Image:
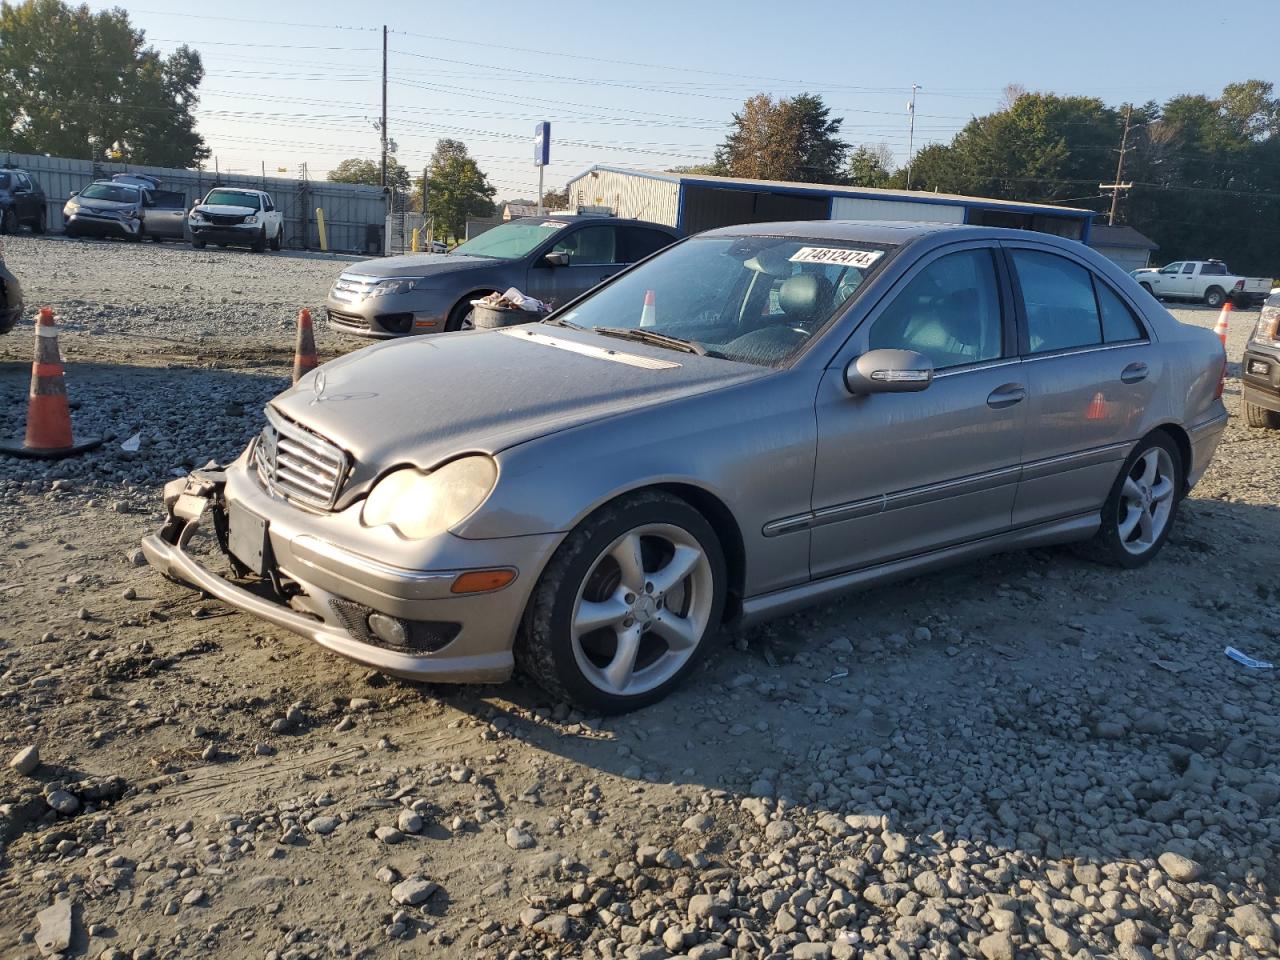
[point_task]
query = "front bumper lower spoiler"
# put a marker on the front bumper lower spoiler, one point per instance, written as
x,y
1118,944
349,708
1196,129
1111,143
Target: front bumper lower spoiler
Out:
x,y
188,500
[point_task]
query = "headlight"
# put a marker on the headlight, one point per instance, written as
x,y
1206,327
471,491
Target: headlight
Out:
x,y
385,288
420,504
196,215
252,218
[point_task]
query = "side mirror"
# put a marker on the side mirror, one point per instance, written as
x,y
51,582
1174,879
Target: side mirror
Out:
x,y
888,371
75,193
556,259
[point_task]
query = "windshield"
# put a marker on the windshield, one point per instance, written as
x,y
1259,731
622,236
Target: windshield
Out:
x,y
113,192
232,198
754,299
511,241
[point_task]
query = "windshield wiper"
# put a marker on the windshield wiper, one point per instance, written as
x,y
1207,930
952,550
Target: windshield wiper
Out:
x,y
657,339
562,322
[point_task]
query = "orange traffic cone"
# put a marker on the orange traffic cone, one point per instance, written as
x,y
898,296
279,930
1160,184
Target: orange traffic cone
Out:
x,y
304,354
48,417
1221,327
649,315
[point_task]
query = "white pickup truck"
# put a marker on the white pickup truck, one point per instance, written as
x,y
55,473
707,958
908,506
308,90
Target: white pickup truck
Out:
x,y
1209,281
231,215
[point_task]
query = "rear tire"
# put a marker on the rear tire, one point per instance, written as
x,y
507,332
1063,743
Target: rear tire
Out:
x,y
627,605
1214,297
38,224
278,240
1256,416
1147,287
1142,506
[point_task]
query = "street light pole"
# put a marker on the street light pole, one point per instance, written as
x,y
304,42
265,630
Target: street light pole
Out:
x,y
384,107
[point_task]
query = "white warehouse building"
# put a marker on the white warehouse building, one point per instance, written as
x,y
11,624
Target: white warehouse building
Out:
x,y
696,202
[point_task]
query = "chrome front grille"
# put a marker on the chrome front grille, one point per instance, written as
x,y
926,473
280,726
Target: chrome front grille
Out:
x,y
352,287
300,465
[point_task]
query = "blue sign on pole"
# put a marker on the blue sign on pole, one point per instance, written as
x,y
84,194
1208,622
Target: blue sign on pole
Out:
x,y
542,144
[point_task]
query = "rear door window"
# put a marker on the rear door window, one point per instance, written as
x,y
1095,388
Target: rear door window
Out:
x,y
1057,294
1118,322
169,199
640,242
1188,268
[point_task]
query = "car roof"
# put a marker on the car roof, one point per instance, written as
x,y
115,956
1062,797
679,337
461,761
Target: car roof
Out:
x,y
587,218
897,232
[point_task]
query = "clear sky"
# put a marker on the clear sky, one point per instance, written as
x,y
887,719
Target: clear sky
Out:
x,y
653,84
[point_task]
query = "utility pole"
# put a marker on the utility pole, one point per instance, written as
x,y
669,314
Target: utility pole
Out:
x,y
1119,185
911,129
383,125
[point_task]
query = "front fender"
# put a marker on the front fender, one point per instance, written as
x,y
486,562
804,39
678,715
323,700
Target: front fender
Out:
x,y
752,446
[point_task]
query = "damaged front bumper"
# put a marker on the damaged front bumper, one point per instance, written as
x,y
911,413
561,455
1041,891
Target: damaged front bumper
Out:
x,y
407,623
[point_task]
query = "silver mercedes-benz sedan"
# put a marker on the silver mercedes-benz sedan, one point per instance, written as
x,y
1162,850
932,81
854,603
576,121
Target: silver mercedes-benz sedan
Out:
x,y
757,418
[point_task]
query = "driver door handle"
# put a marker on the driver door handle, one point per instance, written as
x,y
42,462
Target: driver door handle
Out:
x,y
1134,373
1006,395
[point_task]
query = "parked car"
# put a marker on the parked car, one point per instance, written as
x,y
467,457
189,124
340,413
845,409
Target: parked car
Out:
x,y
758,418
551,258
10,299
1209,281
237,217
120,208
22,201
1260,369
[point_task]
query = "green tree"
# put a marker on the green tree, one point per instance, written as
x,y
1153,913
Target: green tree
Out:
x,y
785,139
74,83
457,189
556,199
360,170
870,167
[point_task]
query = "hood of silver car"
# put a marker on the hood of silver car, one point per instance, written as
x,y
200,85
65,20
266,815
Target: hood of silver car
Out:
x,y
420,265
427,399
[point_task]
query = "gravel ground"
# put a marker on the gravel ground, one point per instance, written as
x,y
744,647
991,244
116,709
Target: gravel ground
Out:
x,y
1028,756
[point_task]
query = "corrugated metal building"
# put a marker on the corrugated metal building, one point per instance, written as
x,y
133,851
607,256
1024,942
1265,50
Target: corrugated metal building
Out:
x,y
354,215
1129,249
696,202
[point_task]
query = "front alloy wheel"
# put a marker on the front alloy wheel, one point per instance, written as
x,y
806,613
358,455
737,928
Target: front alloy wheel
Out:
x,y
626,605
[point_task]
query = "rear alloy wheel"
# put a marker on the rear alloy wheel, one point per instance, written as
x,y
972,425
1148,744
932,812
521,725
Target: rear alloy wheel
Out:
x,y
1256,416
626,606
1214,296
1140,510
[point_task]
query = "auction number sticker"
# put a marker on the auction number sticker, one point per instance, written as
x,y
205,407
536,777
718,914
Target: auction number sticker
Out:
x,y
841,256
552,224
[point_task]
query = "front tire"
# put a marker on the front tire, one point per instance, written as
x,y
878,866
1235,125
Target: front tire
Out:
x,y
197,244
627,606
1147,287
260,242
9,221
461,314
1214,297
1256,416
1142,505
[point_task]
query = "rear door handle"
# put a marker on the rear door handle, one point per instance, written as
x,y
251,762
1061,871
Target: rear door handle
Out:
x,y
1006,395
1134,373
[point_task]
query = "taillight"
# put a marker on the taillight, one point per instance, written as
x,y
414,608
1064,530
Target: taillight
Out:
x,y
1222,380
1268,324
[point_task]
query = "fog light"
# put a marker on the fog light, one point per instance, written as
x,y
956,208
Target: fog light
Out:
x,y
388,629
